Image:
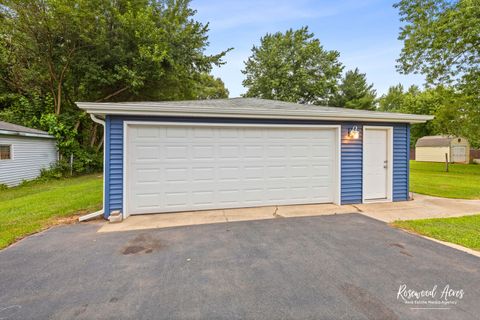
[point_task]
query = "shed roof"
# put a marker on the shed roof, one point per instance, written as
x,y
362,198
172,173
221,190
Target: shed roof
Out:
x,y
246,108
435,141
15,129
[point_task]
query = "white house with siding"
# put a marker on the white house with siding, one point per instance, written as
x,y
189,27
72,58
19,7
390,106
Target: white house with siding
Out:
x,y
24,152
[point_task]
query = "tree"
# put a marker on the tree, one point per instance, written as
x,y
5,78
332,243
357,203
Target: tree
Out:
x,y
449,106
354,92
292,66
393,100
56,52
441,40
210,88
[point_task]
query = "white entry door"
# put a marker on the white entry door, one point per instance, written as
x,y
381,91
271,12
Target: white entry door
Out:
x,y
196,167
377,164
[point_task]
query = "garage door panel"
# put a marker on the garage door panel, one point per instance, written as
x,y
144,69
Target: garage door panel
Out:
x,y
147,175
177,174
202,132
148,200
255,172
192,168
253,152
203,152
203,174
253,133
146,152
176,132
147,132
201,198
229,196
276,193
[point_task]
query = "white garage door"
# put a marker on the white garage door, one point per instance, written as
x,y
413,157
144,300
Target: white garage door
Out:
x,y
195,167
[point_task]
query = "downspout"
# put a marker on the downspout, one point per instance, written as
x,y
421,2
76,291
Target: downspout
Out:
x,y
100,212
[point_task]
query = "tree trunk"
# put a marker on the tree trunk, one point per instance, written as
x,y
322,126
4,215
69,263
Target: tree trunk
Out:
x,y
93,138
100,144
59,99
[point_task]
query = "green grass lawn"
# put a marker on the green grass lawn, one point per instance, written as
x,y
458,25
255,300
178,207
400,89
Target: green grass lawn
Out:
x,y
461,182
32,207
464,231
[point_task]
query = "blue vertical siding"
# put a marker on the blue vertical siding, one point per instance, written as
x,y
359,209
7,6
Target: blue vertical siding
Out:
x,y
401,146
408,161
351,166
351,157
114,169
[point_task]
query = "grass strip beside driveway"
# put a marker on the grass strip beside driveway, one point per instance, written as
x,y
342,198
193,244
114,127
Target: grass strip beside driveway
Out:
x,y
29,208
464,231
461,182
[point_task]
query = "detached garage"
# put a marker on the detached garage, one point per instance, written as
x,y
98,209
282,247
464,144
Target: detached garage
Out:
x,y
232,153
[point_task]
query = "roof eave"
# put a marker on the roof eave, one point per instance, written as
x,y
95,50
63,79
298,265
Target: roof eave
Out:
x,y
26,134
139,110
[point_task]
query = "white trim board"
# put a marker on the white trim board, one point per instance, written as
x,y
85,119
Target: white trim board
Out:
x,y
389,163
127,123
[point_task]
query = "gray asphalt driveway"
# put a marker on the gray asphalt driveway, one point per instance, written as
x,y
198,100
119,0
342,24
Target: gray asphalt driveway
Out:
x,y
327,267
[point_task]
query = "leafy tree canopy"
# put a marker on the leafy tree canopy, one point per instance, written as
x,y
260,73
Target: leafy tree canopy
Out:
x,y
55,52
292,66
210,87
454,112
441,40
354,92
393,100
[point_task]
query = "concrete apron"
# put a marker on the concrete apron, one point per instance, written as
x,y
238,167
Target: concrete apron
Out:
x,y
165,220
421,207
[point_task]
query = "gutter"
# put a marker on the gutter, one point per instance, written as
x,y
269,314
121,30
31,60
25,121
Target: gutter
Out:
x,y
99,212
26,134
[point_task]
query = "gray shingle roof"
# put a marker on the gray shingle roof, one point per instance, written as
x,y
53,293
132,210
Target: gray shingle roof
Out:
x,y
434,141
245,107
15,128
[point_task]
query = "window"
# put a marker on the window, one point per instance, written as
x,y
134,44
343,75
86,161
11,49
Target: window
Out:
x,y
5,152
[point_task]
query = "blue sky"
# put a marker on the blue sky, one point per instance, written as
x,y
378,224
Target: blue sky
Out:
x,y
363,31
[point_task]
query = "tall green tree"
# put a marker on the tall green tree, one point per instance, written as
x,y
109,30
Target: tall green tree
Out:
x,y
392,101
354,92
292,66
56,52
210,87
442,41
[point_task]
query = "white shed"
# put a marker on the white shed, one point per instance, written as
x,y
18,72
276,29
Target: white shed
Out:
x,y
434,148
24,152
